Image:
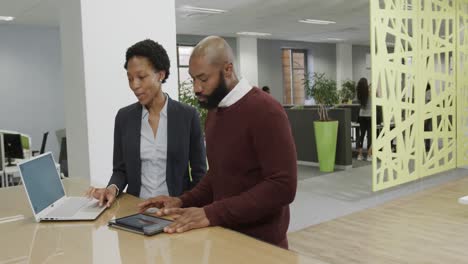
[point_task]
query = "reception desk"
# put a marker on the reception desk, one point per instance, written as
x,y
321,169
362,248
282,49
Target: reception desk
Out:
x,y
302,128
22,240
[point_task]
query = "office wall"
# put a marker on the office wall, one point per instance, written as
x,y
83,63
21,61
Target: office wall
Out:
x,y
192,40
74,92
321,58
248,59
344,63
31,90
359,63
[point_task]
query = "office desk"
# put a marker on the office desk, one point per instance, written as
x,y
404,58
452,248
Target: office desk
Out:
x,y
8,172
25,241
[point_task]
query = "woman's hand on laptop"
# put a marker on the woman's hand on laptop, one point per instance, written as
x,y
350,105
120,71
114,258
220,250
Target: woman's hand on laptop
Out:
x,y
104,195
162,201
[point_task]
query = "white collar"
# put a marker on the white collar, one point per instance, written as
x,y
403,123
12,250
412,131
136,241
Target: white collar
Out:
x,y
163,110
241,89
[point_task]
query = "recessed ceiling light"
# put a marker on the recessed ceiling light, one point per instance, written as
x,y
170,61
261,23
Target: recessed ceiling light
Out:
x,y
203,10
6,18
254,34
315,21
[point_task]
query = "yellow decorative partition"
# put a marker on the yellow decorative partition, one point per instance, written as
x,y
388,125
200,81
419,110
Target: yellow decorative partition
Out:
x,y
415,86
437,86
462,83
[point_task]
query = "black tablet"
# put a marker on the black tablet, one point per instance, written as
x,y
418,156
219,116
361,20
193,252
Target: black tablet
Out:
x,y
141,224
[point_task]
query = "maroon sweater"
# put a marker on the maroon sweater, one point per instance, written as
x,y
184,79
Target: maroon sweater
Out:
x,y
252,175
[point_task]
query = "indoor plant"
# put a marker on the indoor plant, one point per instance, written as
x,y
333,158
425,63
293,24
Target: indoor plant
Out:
x,y
348,91
187,96
323,90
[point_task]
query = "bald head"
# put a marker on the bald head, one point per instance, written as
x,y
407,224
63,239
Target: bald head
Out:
x,y
212,70
215,50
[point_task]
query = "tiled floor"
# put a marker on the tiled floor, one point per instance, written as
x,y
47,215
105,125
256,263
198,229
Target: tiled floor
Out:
x,y
323,197
307,172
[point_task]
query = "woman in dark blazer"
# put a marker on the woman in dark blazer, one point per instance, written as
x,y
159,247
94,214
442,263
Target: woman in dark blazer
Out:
x,y
156,140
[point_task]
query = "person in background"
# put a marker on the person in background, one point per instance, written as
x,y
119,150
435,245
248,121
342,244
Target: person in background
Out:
x,y
266,89
155,139
365,114
252,175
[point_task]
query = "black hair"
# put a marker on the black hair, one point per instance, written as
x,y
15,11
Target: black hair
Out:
x,y
363,92
154,52
266,89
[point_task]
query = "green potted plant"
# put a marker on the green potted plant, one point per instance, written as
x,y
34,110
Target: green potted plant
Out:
x,y
323,90
348,91
187,96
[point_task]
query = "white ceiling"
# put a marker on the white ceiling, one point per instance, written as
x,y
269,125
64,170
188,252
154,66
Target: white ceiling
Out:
x,y
278,17
31,12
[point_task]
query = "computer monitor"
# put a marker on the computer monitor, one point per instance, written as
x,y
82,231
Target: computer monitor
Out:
x,y
2,155
13,147
44,142
63,157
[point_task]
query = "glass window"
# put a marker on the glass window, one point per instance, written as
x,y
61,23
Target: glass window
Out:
x,y
294,70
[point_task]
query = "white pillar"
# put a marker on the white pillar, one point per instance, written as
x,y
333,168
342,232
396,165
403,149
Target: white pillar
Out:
x,y
248,59
344,63
95,36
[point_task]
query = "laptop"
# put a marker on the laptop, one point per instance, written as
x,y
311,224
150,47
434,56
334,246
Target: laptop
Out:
x,y
46,194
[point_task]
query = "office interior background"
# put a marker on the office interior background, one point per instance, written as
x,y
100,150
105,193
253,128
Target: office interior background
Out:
x,y
39,44
61,68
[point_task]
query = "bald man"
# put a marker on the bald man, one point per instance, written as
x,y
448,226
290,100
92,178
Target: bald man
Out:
x,y
252,177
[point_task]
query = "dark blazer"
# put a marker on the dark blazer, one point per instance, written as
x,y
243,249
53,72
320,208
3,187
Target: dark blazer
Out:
x,y
185,146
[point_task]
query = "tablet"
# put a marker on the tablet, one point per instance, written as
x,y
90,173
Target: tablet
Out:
x,y
141,223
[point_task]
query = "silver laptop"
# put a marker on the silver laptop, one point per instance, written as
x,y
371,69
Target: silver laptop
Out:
x,y
46,194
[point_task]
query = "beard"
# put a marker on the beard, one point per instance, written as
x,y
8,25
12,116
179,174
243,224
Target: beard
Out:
x,y
212,100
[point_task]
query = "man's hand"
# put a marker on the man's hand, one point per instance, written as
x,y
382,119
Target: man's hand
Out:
x,y
162,201
104,195
186,219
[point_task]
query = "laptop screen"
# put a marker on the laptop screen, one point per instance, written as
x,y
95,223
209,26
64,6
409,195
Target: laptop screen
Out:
x,y
42,182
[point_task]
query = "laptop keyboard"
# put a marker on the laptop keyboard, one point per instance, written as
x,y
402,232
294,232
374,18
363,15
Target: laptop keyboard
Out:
x,y
69,208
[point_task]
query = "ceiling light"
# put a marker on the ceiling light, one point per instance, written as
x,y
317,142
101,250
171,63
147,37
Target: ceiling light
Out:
x,y
315,21
254,34
6,18
203,10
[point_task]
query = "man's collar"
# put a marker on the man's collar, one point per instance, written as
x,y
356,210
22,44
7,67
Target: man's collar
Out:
x,y
241,89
